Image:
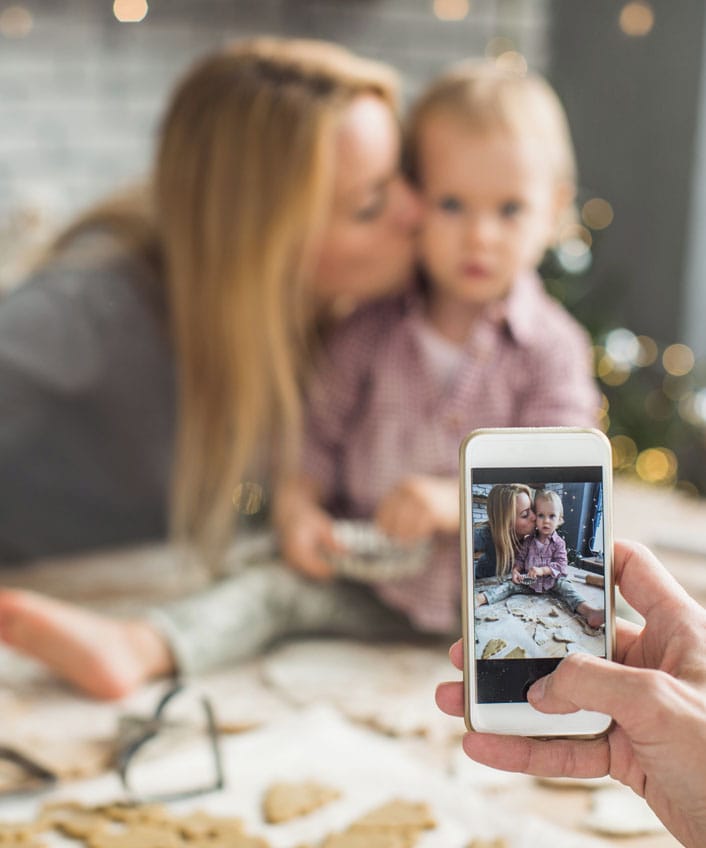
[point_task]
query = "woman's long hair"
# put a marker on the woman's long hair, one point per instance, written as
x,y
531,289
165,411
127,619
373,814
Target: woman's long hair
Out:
x,y
502,504
241,189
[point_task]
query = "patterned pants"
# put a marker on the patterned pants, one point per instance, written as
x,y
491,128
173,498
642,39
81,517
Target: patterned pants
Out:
x,y
562,589
240,616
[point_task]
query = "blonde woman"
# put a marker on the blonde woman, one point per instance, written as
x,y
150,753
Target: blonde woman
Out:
x,y
158,353
511,518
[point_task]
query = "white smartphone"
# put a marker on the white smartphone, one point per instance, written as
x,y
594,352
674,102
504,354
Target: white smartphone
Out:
x,y
536,542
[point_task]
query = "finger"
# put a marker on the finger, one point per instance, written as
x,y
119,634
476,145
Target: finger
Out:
x,y
456,654
449,698
585,682
585,758
643,580
626,632
311,564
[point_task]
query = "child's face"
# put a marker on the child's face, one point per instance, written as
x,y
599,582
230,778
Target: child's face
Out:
x,y
524,516
548,517
490,210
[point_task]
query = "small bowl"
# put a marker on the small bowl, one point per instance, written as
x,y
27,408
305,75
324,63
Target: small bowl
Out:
x,y
373,557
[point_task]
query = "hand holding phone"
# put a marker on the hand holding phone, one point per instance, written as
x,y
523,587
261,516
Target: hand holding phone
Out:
x,y
540,500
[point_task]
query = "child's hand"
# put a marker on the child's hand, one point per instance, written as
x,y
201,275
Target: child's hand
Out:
x,y
418,507
517,576
539,571
305,530
305,538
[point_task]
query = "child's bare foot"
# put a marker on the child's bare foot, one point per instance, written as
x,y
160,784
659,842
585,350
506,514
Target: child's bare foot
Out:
x,y
481,600
594,617
104,657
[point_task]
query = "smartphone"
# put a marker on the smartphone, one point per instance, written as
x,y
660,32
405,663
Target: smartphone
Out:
x,y
536,542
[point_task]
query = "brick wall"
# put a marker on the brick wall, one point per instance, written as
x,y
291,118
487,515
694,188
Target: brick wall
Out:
x,y
81,93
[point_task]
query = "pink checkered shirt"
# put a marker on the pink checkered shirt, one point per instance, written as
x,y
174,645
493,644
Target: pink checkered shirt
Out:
x,y
376,413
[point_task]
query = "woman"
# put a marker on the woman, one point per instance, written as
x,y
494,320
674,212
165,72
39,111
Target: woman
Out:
x,y
162,345
511,517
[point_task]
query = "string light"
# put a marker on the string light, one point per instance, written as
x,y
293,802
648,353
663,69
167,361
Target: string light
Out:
x,y
678,359
657,465
451,10
648,351
16,22
499,45
623,347
624,452
637,18
512,62
130,11
248,498
597,213
576,231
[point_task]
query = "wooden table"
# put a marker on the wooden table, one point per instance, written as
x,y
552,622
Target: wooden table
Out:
x,y
670,523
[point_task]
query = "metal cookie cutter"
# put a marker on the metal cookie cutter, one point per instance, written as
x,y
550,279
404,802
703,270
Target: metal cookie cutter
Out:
x,y
31,775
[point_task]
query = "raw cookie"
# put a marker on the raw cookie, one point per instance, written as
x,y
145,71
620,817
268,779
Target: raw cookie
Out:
x,y
541,634
398,814
367,839
563,635
285,801
493,647
488,843
136,836
516,654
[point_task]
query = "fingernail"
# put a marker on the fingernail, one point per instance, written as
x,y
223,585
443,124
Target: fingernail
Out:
x,y
537,690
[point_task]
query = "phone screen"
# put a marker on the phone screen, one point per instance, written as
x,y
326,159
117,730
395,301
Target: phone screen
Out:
x,y
539,573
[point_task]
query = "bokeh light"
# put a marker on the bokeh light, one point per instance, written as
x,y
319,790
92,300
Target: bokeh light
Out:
x,y
597,213
512,62
16,22
678,359
692,408
648,351
657,465
612,373
499,45
624,452
248,498
637,18
623,347
576,231
130,11
451,10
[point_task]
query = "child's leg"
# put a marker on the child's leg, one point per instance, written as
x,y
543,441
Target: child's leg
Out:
x,y
240,616
503,590
564,590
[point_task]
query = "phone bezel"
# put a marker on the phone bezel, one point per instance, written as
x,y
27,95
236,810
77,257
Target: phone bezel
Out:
x,y
526,448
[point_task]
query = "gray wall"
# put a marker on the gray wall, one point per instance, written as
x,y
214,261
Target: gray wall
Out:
x,y
634,105
80,95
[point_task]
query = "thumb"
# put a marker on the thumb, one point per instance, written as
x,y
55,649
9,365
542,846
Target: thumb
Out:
x,y
585,682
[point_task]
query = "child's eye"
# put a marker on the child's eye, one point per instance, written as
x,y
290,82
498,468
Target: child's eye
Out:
x,y
450,204
510,209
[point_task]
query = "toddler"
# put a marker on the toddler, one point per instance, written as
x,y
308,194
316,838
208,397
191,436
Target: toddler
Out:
x,y
542,559
406,379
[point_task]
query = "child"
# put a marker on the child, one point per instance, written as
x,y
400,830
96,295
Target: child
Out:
x,y
405,380
542,558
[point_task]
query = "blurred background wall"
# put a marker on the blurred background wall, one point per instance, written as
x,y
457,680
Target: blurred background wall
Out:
x,y
83,82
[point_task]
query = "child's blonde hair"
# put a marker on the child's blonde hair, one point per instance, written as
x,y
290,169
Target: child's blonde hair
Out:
x,y
484,98
502,504
550,495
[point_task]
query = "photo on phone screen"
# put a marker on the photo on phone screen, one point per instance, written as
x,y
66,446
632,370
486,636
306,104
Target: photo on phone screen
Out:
x,y
539,580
